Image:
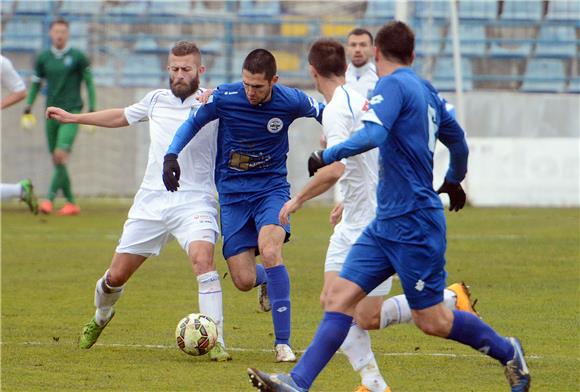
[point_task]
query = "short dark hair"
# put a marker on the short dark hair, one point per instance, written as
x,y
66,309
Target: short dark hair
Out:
x,y
327,57
360,31
261,61
396,42
183,48
62,21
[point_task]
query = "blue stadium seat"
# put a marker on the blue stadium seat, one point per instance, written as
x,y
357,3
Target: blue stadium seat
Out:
x,y
127,7
557,41
170,7
428,38
444,76
472,40
36,7
574,86
105,75
568,10
22,36
7,6
478,9
432,9
380,9
259,8
544,75
146,44
522,10
87,7
511,48
79,35
148,73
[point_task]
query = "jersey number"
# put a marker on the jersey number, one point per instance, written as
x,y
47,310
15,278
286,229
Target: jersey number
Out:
x,y
433,127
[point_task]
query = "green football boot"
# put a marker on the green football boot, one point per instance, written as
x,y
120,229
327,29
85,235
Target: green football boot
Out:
x,y
219,353
28,196
91,332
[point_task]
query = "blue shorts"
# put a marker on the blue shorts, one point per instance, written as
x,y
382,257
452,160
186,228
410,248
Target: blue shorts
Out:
x,y
241,222
413,246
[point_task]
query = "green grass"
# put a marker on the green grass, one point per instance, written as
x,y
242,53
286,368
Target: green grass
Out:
x,y
522,264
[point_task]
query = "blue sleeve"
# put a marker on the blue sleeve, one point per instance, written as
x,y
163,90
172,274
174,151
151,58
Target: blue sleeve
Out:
x,y
371,135
309,107
452,136
387,102
192,125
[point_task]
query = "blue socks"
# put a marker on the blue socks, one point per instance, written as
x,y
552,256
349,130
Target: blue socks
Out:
x,y
279,293
260,275
472,331
330,334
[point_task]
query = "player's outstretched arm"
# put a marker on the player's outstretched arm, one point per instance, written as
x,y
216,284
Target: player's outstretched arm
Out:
x,y
320,183
109,118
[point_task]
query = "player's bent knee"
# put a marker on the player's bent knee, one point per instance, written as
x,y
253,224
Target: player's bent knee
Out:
x,y
117,278
271,255
244,283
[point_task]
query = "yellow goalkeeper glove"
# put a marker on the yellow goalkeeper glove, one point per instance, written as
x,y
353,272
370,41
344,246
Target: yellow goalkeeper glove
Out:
x,y
27,121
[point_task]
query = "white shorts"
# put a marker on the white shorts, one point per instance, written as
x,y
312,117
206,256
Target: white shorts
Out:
x,y
157,216
341,241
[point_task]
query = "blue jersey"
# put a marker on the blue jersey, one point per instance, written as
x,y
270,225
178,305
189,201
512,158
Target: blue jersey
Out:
x,y
252,139
405,118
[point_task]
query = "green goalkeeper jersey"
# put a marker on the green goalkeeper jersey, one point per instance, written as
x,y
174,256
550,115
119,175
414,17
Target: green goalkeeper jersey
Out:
x,y
64,71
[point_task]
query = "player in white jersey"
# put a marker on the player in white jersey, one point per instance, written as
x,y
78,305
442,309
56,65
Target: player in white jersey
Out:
x,y
358,178
361,74
189,215
12,82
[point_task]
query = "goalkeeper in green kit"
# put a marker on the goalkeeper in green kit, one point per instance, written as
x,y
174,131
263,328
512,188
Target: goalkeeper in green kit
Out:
x,y
64,68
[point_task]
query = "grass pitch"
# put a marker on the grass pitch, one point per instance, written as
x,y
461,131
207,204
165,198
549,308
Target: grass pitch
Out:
x,y
522,264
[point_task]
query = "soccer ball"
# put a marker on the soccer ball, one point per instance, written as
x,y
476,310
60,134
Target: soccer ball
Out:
x,y
196,334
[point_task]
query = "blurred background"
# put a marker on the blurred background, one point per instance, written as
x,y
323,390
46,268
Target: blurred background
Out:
x,y
515,81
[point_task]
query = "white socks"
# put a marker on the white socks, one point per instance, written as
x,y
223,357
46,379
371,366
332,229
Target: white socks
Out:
x,y
210,300
10,191
396,310
357,348
105,297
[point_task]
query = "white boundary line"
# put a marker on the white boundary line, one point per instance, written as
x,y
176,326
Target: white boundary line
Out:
x,y
262,350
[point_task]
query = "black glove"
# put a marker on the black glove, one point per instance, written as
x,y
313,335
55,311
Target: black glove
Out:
x,y
456,195
315,162
27,110
171,172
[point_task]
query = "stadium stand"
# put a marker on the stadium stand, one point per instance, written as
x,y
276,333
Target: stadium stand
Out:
x,y
501,40
544,75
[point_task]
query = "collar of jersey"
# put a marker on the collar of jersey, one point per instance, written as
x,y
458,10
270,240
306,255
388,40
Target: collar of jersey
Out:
x,y
59,53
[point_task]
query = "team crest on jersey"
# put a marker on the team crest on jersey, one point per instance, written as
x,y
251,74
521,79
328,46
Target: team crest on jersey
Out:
x,y
67,61
275,125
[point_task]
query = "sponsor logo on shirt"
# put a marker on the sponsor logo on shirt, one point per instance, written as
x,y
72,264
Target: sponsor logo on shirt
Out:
x,y
376,99
230,92
275,125
67,61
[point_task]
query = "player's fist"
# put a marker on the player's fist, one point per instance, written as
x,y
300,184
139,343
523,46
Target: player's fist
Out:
x,y
58,114
315,162
456,195
27,121
171,172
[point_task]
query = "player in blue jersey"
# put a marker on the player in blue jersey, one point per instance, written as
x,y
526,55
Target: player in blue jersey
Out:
x,y
405,118
254,116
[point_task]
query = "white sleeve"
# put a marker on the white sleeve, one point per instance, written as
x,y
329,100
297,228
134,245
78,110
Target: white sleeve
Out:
x,y
336,125
10,78
140,111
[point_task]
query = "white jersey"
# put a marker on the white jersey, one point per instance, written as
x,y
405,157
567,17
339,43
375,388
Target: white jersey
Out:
x,y
362,79
10,78
341,117
165,113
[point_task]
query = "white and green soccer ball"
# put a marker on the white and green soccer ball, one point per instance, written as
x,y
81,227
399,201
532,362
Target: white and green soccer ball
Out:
x,y
196,334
